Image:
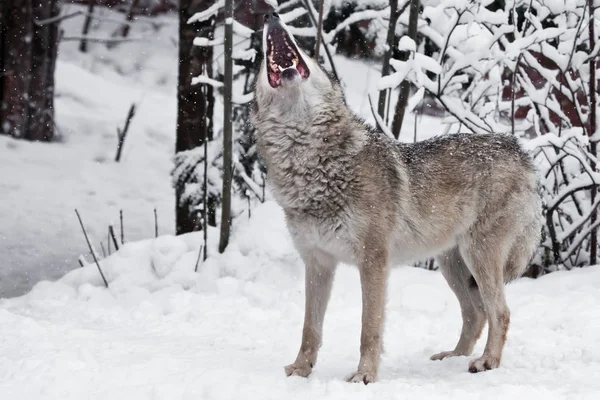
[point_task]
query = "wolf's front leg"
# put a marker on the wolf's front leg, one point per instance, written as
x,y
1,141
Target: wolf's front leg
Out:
x,y
373,278
320,269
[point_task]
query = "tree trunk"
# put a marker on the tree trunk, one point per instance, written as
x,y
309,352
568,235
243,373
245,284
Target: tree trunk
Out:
x,y
51,56
16,68
405,85
40,119
28,48
194,103
3,19
592,130
385,68
227,128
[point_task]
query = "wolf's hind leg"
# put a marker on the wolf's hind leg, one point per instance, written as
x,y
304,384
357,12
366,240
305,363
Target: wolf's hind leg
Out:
x,y
320,270
486,257
463,285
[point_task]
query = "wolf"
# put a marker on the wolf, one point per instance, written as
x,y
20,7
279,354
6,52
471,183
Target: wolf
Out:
x,y
353,195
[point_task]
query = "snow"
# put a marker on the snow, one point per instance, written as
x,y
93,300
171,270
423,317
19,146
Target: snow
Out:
x,y
242,30
42,184
162,331
206,42
406,43
209,12
272,3
206,80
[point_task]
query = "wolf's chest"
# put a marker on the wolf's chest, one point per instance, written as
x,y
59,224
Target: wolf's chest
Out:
x,y
332,236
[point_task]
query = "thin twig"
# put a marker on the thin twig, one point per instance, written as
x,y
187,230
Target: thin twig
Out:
x,y
308,7
108,242
111,232
90,246
122,134
155,223
379,121
121,222
58,18
103,250
198,259
319,30
104,40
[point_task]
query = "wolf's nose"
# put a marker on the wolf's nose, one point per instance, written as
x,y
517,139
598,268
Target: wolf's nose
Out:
x,y
271,17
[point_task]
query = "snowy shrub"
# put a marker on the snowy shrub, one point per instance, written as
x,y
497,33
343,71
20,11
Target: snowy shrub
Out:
x,y
522,67
248,172
188,176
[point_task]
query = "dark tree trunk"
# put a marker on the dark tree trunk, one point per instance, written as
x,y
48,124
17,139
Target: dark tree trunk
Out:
x,y
391,42
404,90
16,67
194,103
3,17
51,56
227,130
593,129
28,47
40,119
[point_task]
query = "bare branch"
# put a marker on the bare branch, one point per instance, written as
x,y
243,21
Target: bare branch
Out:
x,y
122,134
104,40
111,232
58,18
87,239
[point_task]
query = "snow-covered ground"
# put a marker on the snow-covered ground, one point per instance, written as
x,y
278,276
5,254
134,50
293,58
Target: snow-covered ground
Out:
x,y
162,331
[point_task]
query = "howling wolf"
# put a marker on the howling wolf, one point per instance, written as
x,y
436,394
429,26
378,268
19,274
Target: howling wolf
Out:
x,y
353,195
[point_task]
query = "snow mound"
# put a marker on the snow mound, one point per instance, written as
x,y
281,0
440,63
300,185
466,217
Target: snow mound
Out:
x,y
260,248
162,331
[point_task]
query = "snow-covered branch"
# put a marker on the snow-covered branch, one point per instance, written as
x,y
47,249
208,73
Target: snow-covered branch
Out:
x,y
206,80
208,13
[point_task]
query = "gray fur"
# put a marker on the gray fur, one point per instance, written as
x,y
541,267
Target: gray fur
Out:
x,y
351,194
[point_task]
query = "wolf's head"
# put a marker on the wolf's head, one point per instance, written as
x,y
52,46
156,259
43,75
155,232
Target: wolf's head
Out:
x,y
288,77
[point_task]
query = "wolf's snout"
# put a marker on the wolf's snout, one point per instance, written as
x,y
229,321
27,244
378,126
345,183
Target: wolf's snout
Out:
x,y
272,16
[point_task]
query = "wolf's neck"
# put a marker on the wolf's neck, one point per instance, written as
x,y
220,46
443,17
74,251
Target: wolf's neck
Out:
x,y
309,155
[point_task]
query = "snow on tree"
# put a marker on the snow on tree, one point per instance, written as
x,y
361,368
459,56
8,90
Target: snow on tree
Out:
x,y
248,177
524,67
195,104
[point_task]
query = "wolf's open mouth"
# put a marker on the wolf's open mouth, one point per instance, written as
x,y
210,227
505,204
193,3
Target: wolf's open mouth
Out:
x,y
283,58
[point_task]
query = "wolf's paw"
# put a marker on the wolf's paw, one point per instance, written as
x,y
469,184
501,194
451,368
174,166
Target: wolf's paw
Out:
x,y
296,369
364,377
445,354
483,363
